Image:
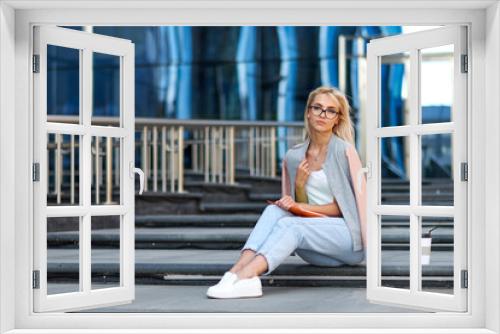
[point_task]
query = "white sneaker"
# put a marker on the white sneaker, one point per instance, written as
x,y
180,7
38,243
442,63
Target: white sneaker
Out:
x,y
227,279
241,288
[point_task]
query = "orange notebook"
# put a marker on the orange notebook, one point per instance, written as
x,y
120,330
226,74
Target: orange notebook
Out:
x,y
296,210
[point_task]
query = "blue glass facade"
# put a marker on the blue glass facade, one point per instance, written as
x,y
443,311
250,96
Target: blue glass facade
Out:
x,y
247,73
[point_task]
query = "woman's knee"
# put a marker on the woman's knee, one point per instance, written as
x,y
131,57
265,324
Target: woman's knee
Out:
x,y
318,259
356,257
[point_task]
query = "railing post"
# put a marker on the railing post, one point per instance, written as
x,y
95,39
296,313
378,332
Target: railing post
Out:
x,y
231,155
58,165
251,144
257,150
155,158
273,151
72,168
164,158
226,154
207,150
201,151
180,184
109,162
171,158
213,156
268,151
220,154
194,150
97,169
117,154
145,156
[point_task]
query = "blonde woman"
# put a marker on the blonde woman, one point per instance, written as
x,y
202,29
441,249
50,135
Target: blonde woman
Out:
x,y
323,174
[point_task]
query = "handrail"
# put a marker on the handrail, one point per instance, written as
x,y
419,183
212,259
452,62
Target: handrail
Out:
x,y
140,121
218,149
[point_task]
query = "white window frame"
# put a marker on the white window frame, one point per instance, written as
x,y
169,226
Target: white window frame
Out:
x,y
86,45
413,130
16,18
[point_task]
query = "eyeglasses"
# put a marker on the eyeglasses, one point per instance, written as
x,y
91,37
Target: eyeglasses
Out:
x,y
330,113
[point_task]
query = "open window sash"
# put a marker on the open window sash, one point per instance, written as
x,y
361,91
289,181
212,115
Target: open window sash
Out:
x,y
84,46
413,130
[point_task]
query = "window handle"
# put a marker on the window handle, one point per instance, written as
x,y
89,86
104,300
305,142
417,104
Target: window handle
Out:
x,y
367,170
133,171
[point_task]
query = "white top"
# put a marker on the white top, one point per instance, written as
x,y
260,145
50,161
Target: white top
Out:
x,y
317,189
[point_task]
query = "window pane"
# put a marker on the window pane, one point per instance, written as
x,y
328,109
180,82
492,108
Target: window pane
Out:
x,y
63,169
395,188
436,84
437,171
395,243
106,89
394,80
63,83
437,246
106,161
63,254
105,258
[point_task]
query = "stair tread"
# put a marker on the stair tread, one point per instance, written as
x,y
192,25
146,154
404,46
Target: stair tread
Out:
x,y
221,257
198,217
197,232
231,216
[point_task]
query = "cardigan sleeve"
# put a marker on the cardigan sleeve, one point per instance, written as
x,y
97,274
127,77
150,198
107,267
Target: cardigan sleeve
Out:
x,y
285,180
358,179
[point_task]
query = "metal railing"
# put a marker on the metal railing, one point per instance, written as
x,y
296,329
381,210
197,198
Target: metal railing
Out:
x,y
216,149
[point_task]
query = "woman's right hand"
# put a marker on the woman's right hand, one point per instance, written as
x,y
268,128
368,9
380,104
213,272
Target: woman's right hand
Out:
x,y
302,173
285,202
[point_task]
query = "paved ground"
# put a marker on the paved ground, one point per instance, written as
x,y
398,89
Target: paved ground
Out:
x,y
192,299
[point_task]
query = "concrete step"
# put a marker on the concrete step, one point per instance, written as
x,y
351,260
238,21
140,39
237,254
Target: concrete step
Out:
x,y
221,238
249,220
426,201
234,207
197,220
388,196
262,196
167,203
219,191
256,207
425,195
198,267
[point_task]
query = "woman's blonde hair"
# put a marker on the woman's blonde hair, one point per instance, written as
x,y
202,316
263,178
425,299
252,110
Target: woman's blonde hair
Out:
x,y
344,129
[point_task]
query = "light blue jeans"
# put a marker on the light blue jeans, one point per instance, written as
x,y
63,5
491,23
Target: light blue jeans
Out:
x,y
318,241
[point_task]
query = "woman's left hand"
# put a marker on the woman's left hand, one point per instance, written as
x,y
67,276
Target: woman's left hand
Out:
x,y
285,202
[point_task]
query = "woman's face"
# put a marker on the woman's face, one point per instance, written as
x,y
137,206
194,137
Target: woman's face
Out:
x,y
321,122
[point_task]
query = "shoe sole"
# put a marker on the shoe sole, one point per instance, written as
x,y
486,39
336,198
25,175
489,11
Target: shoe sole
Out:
x,y
248,295
234,297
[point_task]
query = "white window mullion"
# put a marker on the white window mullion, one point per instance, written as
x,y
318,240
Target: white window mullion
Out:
x,y
421,210
40,214
85,245
459,155
127,190
414,170
420,129
78,129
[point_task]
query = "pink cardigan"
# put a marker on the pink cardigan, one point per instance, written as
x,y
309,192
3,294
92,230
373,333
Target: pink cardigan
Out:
x,y
358,181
